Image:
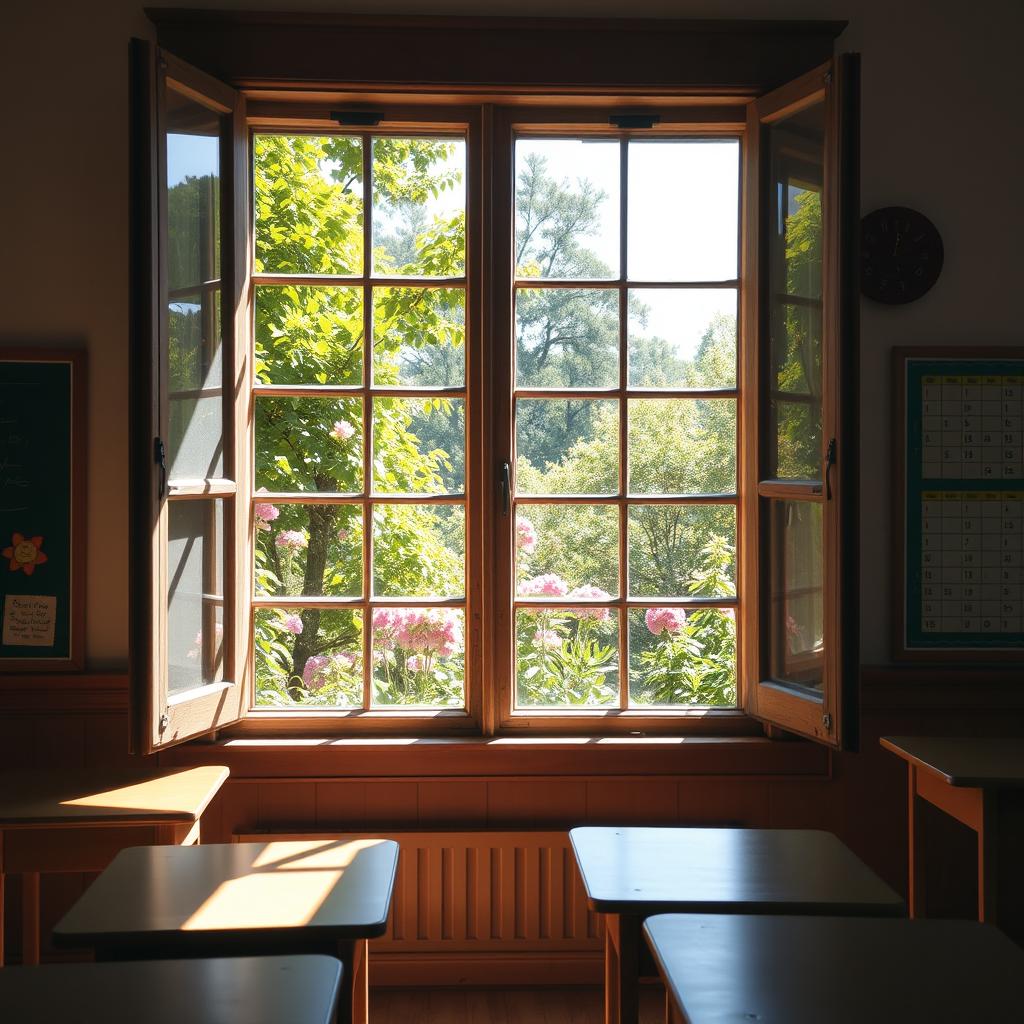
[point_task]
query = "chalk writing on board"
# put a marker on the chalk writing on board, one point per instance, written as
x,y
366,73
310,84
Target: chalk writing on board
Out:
x,y
29,621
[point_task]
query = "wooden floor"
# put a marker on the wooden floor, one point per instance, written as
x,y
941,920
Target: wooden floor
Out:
x,y
503,1005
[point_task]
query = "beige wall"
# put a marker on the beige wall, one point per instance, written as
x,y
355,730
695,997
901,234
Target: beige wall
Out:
x,y
942,87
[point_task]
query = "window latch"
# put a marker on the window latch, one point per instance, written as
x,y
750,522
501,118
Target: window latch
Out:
x,y
830,461
160,458
505,488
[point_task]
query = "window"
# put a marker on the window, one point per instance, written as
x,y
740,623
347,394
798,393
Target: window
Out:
x,y
470,418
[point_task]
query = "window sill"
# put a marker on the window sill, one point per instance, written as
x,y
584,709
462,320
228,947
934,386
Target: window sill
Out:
x,y
503,756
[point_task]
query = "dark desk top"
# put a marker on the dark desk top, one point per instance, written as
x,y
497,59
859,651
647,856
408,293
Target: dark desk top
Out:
x,y
726,870
257,990
720,969
54,799
964,761
329,888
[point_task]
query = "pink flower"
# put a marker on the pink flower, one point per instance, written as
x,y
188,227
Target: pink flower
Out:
x,y
293,624
548,585
197,644
793,628
321,667
265,513
415,663
665,620
292,540
547,638
589,593
343,535
526,536
385,627
342,430
430,630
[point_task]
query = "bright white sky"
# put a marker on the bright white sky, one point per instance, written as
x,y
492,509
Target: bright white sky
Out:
x,y
683,215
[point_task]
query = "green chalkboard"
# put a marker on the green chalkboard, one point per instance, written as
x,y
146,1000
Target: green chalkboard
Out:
x,y
42,527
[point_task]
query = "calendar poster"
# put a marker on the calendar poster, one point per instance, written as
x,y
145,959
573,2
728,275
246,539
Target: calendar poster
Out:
x,y
960,488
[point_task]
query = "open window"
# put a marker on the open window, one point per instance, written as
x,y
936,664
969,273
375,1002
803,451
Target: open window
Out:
x,y
801,555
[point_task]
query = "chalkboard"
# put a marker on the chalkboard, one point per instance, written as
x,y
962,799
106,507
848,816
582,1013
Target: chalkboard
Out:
x,y
960,504
42,510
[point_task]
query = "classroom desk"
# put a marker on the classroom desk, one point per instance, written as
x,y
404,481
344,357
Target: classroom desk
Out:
x,y
256,990
631,873
70,822
719,969
980,783
242,899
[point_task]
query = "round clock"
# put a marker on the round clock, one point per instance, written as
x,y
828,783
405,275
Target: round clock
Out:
x,y
901,255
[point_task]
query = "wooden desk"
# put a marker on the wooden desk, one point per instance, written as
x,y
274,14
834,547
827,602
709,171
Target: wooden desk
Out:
x,y
980,783
242,899
719,969
631,873
256,990
107,813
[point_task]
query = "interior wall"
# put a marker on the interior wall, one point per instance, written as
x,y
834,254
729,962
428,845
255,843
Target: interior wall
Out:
x,y
941,85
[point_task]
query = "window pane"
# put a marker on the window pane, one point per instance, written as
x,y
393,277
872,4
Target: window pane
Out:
x,y
419,445
679,657
309,444
309,335
419,550
567,208
419,207
797,605
311,657
682,446
308,550
567,447
567,338
682,338
683,210
682,550
195,594
796,156
308,196
193,192
419,337
419,657
567,657
567,549
195,443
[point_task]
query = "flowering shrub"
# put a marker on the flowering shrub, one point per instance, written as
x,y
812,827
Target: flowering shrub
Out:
x,y
418,656
293,540
526,536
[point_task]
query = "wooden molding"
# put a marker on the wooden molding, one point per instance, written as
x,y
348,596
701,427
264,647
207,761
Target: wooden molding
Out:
x,y
63,694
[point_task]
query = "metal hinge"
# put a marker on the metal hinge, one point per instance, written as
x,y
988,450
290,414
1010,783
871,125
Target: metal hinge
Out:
x,y
165,720
160,458
826,721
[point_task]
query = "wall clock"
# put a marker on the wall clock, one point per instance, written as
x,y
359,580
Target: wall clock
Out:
x,y
901,255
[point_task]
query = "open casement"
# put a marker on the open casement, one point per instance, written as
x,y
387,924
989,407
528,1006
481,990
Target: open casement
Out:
x,y
189,515
800,655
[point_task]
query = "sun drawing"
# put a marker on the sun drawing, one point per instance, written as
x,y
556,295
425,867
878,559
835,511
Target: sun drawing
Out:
x,y
24,553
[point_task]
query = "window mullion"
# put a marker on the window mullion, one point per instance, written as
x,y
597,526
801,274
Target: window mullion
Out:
x,y
367,637
623,616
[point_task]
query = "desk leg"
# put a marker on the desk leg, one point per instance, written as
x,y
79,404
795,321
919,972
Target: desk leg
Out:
x,y
621,969
915,883
1,913
988,845
30,918
354,1000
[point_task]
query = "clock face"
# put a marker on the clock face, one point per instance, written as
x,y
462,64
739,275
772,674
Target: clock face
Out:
x,y
901,255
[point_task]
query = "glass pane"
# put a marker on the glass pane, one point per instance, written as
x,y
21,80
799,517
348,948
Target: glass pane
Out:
x,y
195,442
419,337
567,550
567,657
567,447
679,657
195,594
683,210
419,657
796,156
308,550
308,197
419,550
567,208
682,550
419,207
567,338
309,335
682,446
193,192
797,605
311,657
419,445
682,338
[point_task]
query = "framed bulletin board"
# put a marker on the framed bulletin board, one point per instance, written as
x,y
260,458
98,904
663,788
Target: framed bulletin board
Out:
x,y
959,517
42,510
